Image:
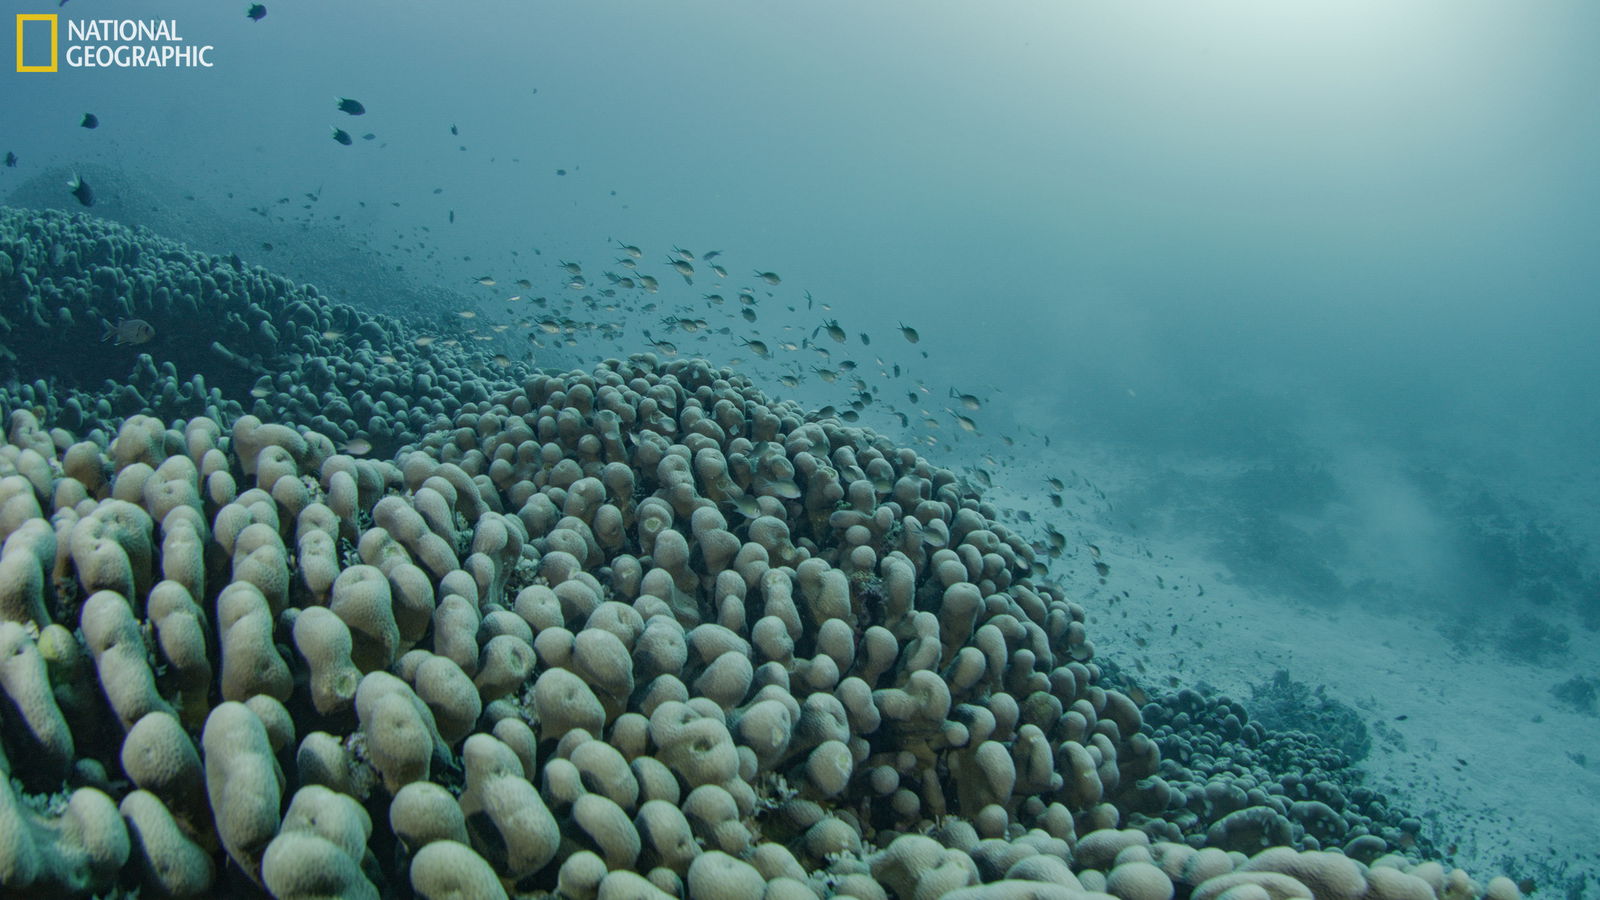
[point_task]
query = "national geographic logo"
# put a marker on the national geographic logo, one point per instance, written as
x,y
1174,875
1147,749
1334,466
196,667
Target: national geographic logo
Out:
x,y
31,26
105,44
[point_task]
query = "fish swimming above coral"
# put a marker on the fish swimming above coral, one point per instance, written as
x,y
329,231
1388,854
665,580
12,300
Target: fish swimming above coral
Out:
x,y
81,190
128,331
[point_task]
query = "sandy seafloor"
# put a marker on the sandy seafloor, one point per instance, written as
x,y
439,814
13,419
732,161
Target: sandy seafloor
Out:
x,y
1485,755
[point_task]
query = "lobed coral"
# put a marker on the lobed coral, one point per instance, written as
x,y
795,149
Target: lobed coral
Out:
x,y
632,631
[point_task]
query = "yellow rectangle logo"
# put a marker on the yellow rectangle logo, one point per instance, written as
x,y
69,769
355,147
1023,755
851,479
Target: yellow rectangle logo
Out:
x,y
22,57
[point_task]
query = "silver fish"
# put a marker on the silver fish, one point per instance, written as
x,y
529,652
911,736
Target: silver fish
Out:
x,y
129,331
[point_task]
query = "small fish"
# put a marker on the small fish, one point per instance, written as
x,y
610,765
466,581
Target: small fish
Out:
x,y
502,360
757,347
682,268
630,249
649,283
369,136
352,107
453,129
748,313
388,359
719,271
967,400
90,120
331,335
910,333
709,255
81,190
486,280
128,331
524,283
424,341
11,160
666,347
966,423
467,314
1056,483
256,12
356,447
834,331
685,255
572,268
865,339
769,277
342,136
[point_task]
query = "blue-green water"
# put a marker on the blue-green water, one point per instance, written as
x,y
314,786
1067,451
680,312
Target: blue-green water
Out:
x,y
1323,273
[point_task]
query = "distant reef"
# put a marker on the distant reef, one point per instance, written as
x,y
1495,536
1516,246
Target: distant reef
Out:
x,y
293,235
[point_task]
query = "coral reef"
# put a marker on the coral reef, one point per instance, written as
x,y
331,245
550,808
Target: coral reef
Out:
x,y
1245,786
630,631
244,339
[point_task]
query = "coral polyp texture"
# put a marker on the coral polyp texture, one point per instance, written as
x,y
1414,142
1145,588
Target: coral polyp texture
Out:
x,y
636,630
